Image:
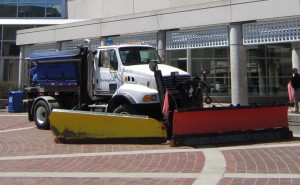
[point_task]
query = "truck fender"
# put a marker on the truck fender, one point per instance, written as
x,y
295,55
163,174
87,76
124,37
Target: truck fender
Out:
x,y
50,101
118,99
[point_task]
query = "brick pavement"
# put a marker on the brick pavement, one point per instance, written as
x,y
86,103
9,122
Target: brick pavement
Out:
x,y
30,156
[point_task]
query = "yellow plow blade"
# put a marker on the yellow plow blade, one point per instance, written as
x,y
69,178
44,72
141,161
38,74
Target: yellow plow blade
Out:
x,y
86,127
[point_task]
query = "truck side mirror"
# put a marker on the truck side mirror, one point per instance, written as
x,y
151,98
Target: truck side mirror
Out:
x,y
152,66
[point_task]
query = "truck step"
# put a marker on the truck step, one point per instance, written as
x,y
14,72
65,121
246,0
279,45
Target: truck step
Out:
x,y
101,108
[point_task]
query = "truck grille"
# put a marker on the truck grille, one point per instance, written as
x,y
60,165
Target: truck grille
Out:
x,y
169,84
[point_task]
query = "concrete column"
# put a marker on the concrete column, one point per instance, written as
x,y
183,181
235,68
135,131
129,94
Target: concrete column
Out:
x,y
238,64
103,41
296,55
189,61
21,67
161,44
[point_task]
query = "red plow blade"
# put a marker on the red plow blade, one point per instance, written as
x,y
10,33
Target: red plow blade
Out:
x,y
230,124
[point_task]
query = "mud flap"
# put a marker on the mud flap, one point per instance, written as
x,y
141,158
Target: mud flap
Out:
x,y
90,127
207,126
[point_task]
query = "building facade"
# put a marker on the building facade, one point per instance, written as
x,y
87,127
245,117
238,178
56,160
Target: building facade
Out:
x,y
247,48
24,14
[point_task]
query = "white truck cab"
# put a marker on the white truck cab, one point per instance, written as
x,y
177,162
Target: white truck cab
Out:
x,y
123,71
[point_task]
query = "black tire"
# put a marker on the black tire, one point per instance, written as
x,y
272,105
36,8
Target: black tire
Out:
x,y
41,114
125,109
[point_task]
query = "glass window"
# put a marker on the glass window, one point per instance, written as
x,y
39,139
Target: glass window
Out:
x,y
104,59
177,58
31,10
9,32
175,54
113,60
54,8
8,1
269,69
30,1
8,10
215,61
0,33
11,69
138,55
210,53
10,49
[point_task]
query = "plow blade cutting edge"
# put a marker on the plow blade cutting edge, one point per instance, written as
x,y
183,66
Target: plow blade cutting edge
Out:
x,y
230,124
90,127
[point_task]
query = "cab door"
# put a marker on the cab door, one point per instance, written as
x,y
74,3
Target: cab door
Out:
x,y
105,75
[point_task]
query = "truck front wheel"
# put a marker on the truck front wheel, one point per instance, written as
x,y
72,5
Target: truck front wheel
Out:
x,y
41,114
125,109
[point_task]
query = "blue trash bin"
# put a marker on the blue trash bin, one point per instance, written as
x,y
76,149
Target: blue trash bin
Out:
x,y
15,101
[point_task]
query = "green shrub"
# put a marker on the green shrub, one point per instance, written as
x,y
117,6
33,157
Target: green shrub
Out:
x,y
5,87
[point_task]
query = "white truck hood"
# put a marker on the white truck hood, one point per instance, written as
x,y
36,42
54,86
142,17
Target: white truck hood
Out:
x,y
144,70
144,76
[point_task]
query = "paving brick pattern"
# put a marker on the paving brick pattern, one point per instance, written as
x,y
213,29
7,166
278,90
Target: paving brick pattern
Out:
x,y
11,121
264,160
94,181
29,156
273,181
169,162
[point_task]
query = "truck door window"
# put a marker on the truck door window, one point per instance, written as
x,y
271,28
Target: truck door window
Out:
x,y
99,60
113,59
105,58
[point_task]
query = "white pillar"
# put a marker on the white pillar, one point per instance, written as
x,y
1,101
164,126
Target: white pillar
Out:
x,y
161,44
21,67
296,55
238,63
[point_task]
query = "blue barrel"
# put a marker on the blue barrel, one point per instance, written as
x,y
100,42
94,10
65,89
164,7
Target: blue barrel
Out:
x,y
15,101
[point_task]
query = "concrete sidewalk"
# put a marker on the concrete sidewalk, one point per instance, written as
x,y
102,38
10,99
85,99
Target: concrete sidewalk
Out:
x,y
292,117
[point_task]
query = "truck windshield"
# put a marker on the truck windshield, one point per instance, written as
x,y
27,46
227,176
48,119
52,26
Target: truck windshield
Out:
x,y
138,55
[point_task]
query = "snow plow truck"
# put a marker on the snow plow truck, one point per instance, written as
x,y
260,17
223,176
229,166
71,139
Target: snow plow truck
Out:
x,y
126,94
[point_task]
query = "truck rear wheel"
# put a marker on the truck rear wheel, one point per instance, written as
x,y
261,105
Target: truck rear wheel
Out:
x,y
41,114
125,109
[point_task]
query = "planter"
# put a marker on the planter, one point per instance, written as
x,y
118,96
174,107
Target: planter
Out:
x,y
3,103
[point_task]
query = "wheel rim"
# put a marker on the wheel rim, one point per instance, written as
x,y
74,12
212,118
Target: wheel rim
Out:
x,y
41,115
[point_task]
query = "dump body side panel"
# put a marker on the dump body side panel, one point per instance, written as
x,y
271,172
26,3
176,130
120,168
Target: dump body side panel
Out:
x,y
55,71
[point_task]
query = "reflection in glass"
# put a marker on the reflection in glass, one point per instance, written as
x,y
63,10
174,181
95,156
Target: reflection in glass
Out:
x,y
54,9
32,8
269,69
10,49
9,31
8,10
215,61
